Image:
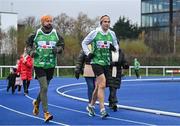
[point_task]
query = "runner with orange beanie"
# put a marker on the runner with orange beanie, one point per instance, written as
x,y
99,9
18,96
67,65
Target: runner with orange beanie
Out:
x,y
44,45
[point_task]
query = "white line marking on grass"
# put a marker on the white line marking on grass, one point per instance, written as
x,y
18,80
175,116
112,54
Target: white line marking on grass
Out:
x,y
13,110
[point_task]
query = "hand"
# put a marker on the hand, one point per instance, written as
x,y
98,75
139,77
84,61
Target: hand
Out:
x,y
24,61
77,74
54,50
112,48
113,63
32,53
57,50
90,56
126,66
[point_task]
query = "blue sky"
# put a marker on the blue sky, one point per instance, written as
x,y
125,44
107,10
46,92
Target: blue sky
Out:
x,y
93,8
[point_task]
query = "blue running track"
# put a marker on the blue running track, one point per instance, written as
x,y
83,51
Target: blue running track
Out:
x,y
67,98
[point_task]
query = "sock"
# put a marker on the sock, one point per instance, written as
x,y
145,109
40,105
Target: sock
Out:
x,y
90,105
103,109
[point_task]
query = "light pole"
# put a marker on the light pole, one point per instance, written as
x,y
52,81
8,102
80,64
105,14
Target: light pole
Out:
x,y
12,6
175,33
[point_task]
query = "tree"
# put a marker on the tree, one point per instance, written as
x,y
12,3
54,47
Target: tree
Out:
x,y
31,22
83,25
76,28
25,28
64,24
12,35
125,30
2,36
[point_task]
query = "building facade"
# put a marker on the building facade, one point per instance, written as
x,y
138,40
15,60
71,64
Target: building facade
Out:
x,y
159,12
161,20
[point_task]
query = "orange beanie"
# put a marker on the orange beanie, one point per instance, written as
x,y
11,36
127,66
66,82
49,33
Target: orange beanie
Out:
x,y
46,18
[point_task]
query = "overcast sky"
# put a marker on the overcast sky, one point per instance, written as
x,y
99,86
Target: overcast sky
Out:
x,y
93,8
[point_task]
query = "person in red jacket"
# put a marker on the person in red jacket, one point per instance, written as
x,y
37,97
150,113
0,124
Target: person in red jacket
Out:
x,y
25,67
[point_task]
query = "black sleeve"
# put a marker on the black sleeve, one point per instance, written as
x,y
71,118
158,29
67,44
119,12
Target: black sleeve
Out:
x,y
8,77
80,61
124,62
30,40
60,42
29,43
121,58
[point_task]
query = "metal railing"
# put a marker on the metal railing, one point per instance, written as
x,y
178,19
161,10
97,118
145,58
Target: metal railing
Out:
x,y
146,70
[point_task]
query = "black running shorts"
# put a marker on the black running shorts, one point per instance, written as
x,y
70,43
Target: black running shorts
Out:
x,y
98,69
41,72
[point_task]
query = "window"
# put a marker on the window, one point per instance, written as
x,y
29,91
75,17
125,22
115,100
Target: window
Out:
x,y
176,5
152,20
150,6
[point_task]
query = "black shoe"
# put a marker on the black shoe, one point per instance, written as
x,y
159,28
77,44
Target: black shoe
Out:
x,y
113,106
110,105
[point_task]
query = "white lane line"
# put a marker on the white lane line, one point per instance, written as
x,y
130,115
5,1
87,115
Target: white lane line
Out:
x,y
29,89
74,90
3,85
82,112
153,79
3,89
13,110
119,119
86,100
152,111
33,88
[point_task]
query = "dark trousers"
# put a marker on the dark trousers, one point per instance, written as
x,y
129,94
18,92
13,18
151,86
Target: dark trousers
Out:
x,y
44,76
112,95
90,86
137,73
11,85
26,84
19,87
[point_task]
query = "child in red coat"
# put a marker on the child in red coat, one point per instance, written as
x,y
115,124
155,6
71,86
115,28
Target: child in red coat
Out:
x,y
25,67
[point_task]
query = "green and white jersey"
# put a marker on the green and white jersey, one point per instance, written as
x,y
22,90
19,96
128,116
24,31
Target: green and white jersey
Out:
x,y
136,64
44,44
100,42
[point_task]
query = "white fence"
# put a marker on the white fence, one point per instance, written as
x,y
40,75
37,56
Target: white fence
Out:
x,y
146,69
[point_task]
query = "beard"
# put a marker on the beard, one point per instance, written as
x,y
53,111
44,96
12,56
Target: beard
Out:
x,y
49,26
